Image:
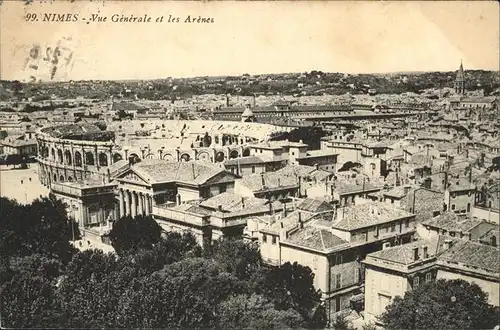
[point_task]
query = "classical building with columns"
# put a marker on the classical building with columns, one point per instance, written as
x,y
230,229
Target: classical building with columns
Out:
x,y
157,182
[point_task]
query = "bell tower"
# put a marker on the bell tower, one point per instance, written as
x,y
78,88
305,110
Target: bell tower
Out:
x,y
459,83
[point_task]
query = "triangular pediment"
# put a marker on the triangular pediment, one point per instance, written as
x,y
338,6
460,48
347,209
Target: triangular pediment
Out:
x,y
132,176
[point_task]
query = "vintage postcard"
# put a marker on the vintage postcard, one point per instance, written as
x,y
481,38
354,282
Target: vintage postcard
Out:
x,y
249,164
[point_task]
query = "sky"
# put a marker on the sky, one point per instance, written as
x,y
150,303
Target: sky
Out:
x,y
246,37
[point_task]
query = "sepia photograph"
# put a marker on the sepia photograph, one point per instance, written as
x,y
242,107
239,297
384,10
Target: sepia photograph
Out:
x,y
249,164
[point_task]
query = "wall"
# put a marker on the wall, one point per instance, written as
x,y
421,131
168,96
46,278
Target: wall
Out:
x,y
318,264
270,251
490,215
491,288
188,194
378,282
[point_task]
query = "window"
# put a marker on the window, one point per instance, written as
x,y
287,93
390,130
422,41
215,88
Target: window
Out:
x,y
222,188
407,223
356,274
338,259
253,169
452,206
428,277
468,207
338,281
416,281
393,227
436,213
274,240
264,238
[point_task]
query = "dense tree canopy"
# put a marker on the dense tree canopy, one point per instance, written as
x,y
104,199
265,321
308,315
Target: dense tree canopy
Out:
x,y
131,234
42,227
454,304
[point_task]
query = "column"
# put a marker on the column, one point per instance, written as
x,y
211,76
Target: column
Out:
x,y
122,204
128,210
141,204
148,204
134,204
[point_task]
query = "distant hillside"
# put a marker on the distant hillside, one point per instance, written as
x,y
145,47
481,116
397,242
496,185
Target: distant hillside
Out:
x,y
308,83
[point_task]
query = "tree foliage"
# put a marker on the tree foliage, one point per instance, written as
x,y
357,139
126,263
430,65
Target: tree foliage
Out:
x,y
454,304
131,234
255,312
43,227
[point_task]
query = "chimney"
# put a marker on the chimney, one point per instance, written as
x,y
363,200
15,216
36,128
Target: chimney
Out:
x,y
301,224
194,171
284,211
263,179
271,209
415,253
279,182
316,166
426,253
242,203
281,224
178,199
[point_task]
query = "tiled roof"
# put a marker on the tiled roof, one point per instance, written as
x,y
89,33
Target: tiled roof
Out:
x,y
304,171
366,215
316,239
472,254
403,254
248,160
315,205
450,221
269,181
460,185
397,192
187,172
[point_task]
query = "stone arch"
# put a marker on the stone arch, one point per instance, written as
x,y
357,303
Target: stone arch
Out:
x,y
246,152
219,157
103,159
60,156
53,153
150,156
70,179
55,177
89,158
203,155
117,157
234,154
61,178
185,157
168,157
78,159
67,157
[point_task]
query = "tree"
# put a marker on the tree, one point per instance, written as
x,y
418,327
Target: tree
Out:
x,y
291,286
169,249
183,294
29,301
255,312
443,304
91,287
237,257
42,227
130,234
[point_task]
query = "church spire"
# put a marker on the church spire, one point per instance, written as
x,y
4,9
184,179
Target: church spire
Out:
x,y
460,80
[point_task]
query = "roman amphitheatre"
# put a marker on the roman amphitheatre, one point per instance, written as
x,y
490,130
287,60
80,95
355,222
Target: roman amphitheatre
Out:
x,y
74,152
